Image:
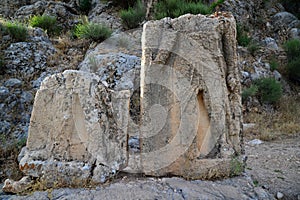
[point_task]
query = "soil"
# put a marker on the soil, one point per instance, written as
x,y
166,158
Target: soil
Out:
x,y
275,166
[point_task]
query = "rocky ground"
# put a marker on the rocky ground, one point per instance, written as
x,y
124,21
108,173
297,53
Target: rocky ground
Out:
x,y
275,166
272,171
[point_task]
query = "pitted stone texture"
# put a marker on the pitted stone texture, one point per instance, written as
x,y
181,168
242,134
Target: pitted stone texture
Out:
x,y
74,133
116,61
28,58
190,96
9,7
118,70
65,14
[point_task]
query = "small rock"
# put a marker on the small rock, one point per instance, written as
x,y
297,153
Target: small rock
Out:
x,y
13,82
270,43
15,187
26,97
248,126
277,75
295,33
4,92
4,127
279,195
134,144
255,142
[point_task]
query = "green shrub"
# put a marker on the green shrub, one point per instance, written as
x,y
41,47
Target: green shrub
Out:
x,y
253,47
17,31
236,167
132,17
274,64
84,6
215,4
249,92
242,36
46,22
124,4
269,90
96,32
292,48
293,68
176,8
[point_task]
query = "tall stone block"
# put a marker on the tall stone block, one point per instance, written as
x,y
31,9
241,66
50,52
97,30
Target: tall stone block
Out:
x,y
78,130
190,96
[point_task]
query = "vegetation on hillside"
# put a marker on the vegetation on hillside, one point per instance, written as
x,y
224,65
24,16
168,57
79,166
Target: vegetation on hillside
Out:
x,y
16,30
176,8
292,48
93,31
46,22
133,16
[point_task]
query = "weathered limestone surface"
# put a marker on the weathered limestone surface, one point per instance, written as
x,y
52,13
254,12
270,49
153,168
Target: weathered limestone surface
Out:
x,y
190,102
82,128
77,130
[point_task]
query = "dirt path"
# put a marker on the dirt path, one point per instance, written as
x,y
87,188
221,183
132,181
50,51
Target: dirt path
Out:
x,y
275,166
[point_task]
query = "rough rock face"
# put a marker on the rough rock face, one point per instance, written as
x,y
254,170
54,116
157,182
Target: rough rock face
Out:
x,y
24,63
77,131
80,129
190,102
64,13
8,7
17,186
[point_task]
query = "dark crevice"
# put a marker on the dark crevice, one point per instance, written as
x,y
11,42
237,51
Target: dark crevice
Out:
x,y
93,168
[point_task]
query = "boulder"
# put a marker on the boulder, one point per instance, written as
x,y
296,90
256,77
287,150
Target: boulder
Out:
x,y
77,131
9,7
285,20
65,14
11,186
190,97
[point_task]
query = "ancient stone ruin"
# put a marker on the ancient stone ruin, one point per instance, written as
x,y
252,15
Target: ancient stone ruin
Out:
x,y
81,131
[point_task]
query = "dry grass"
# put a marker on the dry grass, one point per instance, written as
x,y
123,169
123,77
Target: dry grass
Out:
x,y
8,160
283,122
69,52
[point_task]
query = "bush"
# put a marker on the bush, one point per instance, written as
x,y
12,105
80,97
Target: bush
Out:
x,y
269,90
215,4
176,8
242,36
274,64
253,47
84,6
132,17
124,4
96,32
292,48
293,68
16,30
249,92
46,22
